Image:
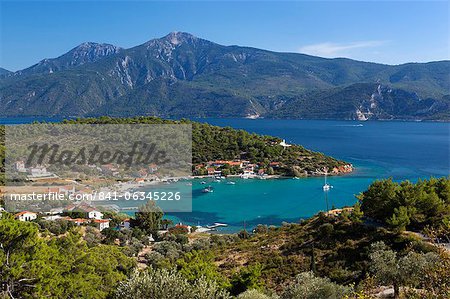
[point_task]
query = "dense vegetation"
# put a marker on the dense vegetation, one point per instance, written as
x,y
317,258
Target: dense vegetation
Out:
x,y
65,267
424,206
345,255
197,78
216,143
331,256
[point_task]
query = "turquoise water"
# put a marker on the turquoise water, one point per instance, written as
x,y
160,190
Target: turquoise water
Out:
x,y
401,150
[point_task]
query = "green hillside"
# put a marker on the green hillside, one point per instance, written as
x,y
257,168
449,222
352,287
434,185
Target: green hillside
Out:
x,y
181,75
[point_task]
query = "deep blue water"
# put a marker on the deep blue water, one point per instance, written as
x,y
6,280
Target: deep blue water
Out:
x,y
401,150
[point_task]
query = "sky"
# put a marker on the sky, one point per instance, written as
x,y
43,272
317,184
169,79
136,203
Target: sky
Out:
x,y
376,31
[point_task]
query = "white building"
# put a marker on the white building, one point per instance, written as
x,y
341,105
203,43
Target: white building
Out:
x,y
284,144
25,216
92,213
20,166
101,223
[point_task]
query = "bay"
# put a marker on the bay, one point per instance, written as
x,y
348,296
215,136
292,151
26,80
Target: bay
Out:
x,y
377,149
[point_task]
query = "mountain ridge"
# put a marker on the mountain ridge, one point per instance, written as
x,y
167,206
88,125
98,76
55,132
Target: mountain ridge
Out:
x,y
181,75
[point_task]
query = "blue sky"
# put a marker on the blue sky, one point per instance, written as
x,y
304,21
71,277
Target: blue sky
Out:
x,y
384,32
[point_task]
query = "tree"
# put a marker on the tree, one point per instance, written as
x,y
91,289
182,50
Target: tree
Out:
x,y
148,218
247,278
356,214
166,222
253,294
21,255
196,264
167,284
309,286
400,219
243,234
379,199
63,267
407,270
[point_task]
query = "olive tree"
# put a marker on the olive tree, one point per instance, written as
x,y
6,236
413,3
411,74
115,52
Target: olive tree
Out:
x,y
167,284
309,286
398,271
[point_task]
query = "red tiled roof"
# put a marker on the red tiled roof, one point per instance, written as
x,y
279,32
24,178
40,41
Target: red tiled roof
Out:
x,y
22,213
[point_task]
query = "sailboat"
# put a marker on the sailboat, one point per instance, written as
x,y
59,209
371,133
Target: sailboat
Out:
x,y
326,186
208,189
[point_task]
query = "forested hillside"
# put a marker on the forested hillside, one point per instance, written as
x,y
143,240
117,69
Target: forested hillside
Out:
x,y
181,75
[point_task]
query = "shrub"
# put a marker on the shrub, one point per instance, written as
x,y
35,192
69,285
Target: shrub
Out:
x,y
167,284
253,294
308,286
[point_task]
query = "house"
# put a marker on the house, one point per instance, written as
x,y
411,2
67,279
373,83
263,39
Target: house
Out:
x,y
284,144
143,173
55,211
181,227
199,166
20,166
25,216
92,213
211,170
89,211
140,180
53,217
152,168
38,171
101,224
274,164
77,221
236,163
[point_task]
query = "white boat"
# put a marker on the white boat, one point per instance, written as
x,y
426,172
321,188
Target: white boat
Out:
x,y
208,189
326,186
231,183
216,225
203,182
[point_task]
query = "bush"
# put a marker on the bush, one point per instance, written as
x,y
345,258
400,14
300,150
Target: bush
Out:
x,y
308,286
253,294
167,284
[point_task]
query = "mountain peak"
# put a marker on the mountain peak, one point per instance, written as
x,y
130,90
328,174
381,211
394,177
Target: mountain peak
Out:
x,y
107,49
177,37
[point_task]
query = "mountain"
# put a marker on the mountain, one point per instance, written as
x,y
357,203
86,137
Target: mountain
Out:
x,y
181,75
84,53
4,71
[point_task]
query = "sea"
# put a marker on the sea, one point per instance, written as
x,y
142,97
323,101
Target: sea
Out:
x,y
400,150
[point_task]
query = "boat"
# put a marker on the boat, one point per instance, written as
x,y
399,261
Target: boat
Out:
x,y
326,186
231,183
216,225
203,182
208,189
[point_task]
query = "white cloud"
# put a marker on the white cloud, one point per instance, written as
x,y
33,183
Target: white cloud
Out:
x,y
338,49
